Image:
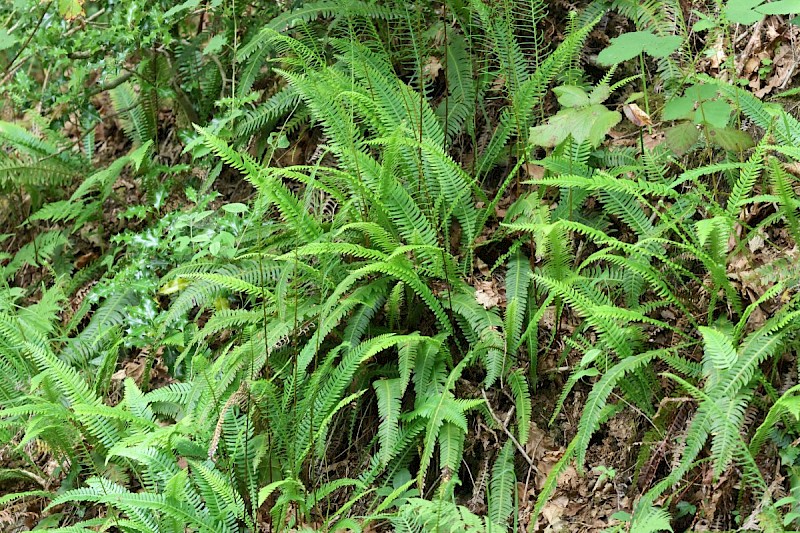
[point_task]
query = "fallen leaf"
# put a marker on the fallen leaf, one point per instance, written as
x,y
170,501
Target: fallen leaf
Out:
x,y
487,296
483,268
756,242
432,68
554,510
637,115
534,171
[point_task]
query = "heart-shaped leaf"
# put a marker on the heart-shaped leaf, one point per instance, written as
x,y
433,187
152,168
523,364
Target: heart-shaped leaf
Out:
x,y
591,123
743,11
571,96
629,45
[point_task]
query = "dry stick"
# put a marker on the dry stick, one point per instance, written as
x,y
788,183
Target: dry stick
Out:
x,y
87,20
500,423
113,84
11,71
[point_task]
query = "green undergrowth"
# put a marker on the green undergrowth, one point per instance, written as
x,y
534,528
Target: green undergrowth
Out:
x,y
418,190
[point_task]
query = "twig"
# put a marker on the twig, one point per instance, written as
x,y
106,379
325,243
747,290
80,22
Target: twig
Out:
x,y
30,37
113,84
89,19
510,435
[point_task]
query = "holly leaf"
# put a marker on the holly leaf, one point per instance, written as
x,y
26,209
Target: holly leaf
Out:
x,y
70,9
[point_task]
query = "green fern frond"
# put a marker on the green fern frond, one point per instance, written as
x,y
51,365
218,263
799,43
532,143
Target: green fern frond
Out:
x,y
596,401
389,393
501,485
139,122
522,402
530,91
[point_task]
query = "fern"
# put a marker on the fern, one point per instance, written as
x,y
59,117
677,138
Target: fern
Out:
x,y
389,393
530,91
139,119
522,402
502,485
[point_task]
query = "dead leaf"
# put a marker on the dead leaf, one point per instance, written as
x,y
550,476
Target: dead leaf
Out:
x,y
499,83
483,268
756,242
432,68
132,369
534,171
637,115
487,295
554,510
548,320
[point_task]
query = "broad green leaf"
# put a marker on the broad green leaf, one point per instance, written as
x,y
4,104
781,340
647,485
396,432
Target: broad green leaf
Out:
x,y
590,123
731,139
714,113
703,23
6,39
779,7
629,45
743,11
662,46
678,108
701,91
235,207
571,96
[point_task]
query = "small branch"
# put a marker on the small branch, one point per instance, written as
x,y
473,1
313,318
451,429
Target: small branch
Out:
x,y
30,37
86,21
500,423
113,84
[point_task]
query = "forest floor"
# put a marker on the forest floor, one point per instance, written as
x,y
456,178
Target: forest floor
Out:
x,y
582,501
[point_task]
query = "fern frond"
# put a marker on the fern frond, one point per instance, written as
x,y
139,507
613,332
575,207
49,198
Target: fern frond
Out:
x,y
389,393
501,485
522,402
